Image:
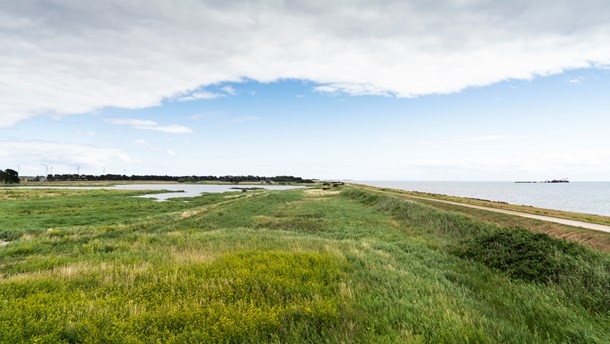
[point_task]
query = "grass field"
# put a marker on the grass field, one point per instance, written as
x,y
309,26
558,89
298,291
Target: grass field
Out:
x,y
298,266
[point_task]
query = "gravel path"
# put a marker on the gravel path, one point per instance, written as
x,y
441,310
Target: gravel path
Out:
x,y
574,223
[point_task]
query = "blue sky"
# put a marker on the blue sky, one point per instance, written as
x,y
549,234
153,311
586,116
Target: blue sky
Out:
x,y
491,94
548,127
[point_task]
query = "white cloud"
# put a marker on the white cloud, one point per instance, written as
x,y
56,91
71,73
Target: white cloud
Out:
x,y
204,95
131,122
62,157
229,90
140,142
576,80
353,89
199,96
68,57
150,125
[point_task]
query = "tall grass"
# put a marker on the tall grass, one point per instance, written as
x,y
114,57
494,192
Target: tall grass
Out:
x,y
289,267
238,297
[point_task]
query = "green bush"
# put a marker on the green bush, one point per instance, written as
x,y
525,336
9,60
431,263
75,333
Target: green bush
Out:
x,y
540,258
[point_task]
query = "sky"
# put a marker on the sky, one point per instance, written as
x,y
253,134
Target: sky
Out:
x,y
360,90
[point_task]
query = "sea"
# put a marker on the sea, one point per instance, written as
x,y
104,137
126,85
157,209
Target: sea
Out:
x,y
581,197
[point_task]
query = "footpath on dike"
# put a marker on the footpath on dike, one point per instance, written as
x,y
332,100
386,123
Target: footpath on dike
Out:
x,y
582,224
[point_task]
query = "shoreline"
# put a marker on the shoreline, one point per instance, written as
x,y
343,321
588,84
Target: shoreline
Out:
x,y
571,201
568,222
562,228
500,205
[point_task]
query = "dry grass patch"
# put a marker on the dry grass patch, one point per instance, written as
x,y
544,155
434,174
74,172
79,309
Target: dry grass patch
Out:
x,y
263,220
320,192
15,194
60,272
394,223
231,199
193,212
191,255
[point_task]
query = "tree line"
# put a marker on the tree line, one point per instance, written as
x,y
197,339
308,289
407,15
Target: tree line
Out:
x,y
9,176
190,179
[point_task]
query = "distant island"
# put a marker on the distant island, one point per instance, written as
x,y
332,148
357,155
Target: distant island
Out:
x,y
564,180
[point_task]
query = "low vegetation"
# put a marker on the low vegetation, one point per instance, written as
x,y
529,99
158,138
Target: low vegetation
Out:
x,y
297,266
599,219
539,258
597,240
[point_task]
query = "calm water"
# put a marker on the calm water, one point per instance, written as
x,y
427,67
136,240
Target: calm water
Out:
x,y
182,190
582,197
193,190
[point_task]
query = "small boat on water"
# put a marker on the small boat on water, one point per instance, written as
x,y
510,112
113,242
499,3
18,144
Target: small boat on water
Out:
x,y
564,180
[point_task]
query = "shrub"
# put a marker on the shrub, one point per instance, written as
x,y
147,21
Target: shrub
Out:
x,y
583,274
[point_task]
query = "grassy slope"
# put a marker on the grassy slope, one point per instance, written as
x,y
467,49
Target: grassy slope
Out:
x,y
600,219
290,266
594,239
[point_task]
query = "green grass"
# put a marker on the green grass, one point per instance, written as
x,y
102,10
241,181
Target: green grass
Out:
x,y
239,297
292,266
35,210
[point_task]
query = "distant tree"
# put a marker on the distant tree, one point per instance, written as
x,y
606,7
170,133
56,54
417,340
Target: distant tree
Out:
x,y
191,179
9,176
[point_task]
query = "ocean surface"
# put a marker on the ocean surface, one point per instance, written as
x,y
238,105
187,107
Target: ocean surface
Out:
x,y
581,197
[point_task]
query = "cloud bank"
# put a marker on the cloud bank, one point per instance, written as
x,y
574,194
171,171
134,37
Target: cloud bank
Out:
x,y
67,57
